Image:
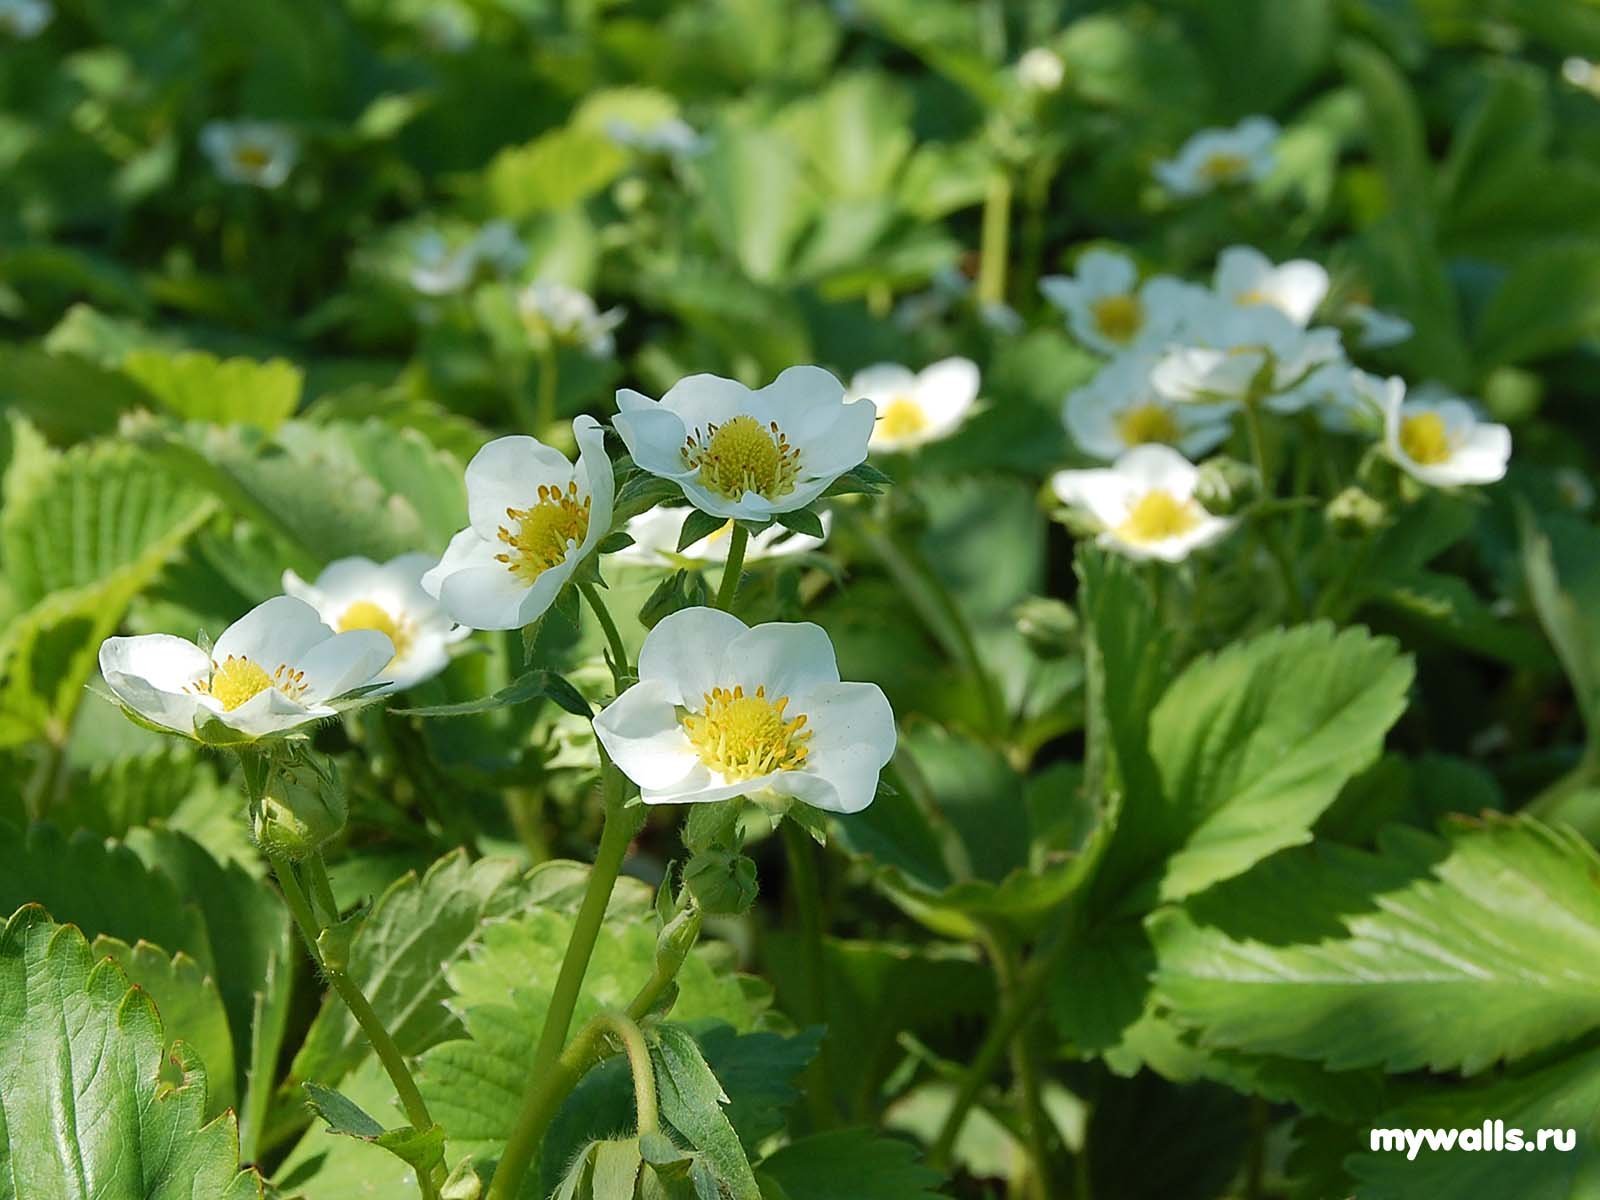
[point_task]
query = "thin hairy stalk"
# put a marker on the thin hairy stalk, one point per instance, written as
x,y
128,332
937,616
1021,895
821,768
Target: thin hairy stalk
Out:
x,y
619,651
729,587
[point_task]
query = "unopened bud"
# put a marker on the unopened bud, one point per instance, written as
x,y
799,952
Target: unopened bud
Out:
x,y
1354,513
722,883
302,810
1049,626
1225,485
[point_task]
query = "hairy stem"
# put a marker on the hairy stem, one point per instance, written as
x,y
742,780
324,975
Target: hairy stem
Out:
x,y
729,587
619,651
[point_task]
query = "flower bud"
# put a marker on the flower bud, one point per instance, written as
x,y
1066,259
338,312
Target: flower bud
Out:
x,y
1049,626
722,883
1354,513
302,809
1226,485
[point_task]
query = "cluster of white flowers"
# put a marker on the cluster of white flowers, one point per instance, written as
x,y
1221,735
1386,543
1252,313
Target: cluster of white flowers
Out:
x,y
1184,359
719,710
557,313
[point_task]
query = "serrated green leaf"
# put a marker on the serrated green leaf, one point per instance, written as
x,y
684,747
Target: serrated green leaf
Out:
x,y
190,1006
417,929
853,1162
538,684
197,386
691,1101
1448,953
86,1112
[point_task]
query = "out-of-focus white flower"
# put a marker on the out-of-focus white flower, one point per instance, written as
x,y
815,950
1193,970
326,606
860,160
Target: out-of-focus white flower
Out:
x,y
1216,158
914,407
1575,489
743,453
25,19
1120,409
1581,73
273,670
567,315
1107,309
672,136
1344,399
1438,438
1041,70
357,593
440,269
448,28
655,541
1228,352
1376,329
258,153
1247,277
724,710
535,517
1144,504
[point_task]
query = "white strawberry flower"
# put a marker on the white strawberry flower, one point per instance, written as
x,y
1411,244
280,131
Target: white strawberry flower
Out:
x,y
357,593
723,710
1438,438
1247,277
25,19
258,153
535,516
655,541
1144,504
748,454
1120,408
439,268
1227,353
1108,310
276,668
1376,329
560,313
916,407
1216,158
1040,69
1345,399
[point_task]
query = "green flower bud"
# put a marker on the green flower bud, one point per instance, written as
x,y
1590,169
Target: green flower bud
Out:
x,y
1226,485
1354,513
302,810
722,883
1049,626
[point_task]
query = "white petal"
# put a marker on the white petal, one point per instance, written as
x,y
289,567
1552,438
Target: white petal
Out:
x,y
595,476
506,474
684,652
883,382
1155,466
654,437
484,596
1103,493
787,658
1104,272
641,731
852,740
831,441
149,673
946,390
705,787
281,630
466,549
271,712
343,663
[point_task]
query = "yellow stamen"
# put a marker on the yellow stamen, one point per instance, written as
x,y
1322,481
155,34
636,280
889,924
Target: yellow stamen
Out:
x,y
251,158
902,417
1224,166
1157,516
364,614
1146,423
740,456
1425,439
1118,317
742,737
235,680
544,533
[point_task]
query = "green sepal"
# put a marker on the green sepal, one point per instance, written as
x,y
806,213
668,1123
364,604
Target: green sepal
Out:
x,y
422,1149
696,526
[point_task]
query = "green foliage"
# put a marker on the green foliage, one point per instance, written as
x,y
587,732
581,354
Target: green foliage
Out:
x,y
851,1162
80,1060
201,387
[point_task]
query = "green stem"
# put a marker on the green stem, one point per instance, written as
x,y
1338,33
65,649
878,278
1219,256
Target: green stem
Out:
x,y
526,1134
619,650
729,587
321,886
1024,1068
996,237
549,386
1267,532
626,1031
808,903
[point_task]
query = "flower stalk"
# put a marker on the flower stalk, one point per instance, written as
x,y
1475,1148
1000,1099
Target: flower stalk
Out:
x,y
729,587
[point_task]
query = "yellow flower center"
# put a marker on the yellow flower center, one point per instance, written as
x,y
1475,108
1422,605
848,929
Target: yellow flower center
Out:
x,y
251,158
1158,515
1118,317
741,737
364,614
1425,439
1224,166
902,417
235,680
1147,423
545,532
740,456
1254,297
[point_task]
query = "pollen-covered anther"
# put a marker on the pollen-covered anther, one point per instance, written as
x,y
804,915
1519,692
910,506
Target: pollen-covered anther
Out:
x,y
743,736
1159,515
742,456
235,680
544,533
